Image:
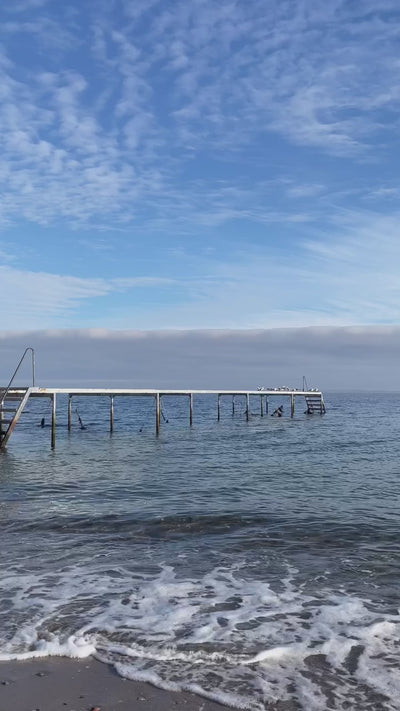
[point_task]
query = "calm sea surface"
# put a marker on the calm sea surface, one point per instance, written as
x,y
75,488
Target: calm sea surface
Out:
x,y
257,563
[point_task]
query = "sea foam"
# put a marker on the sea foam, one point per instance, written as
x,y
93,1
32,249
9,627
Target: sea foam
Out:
x,y
224,636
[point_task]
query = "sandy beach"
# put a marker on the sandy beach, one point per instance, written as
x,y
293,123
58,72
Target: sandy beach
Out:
x,y
56,683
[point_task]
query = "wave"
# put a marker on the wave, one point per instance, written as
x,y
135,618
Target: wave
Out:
x,y
225,636
317,531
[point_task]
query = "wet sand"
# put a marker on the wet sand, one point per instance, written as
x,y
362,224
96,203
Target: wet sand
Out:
x,y
56,683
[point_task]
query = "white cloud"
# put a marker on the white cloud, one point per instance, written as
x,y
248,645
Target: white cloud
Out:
x,y
111,141
24,5
304,191
347,275
154,116
34,298
391,193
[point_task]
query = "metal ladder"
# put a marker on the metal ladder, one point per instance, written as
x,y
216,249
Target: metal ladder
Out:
x,y
315,404
11,406
13,401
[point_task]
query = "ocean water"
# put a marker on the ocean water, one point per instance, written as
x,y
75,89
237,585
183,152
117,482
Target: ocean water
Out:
x,y
257,563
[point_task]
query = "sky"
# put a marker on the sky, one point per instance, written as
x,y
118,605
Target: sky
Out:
x,y
178,165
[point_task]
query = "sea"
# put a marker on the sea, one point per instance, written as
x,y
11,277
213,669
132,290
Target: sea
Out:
x,y
256,563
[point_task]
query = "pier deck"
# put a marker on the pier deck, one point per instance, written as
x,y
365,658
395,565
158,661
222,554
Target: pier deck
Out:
x,y
18,397
46,392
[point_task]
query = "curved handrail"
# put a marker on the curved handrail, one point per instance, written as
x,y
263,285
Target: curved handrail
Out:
x,y
17,369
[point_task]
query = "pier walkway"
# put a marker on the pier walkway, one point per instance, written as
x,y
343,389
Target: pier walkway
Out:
x,y
13,401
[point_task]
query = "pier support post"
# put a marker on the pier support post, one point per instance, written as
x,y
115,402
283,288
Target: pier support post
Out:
x,y
69,412
266,404
53,421
292,406
112,413
262,405
219,408
233,406
191,409
158,413
247,406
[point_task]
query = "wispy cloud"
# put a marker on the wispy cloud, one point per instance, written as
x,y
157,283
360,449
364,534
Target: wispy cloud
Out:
x,y
345,276
304,191
237,143
39,297
24,5
115,138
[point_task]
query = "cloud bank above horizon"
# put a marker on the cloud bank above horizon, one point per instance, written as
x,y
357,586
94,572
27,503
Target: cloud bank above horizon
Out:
x,y
199,165
363,358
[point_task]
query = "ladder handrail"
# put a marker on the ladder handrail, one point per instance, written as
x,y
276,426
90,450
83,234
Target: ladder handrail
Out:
x,y
17,369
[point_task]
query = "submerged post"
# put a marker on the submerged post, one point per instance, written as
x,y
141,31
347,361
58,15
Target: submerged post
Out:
x,y
53,421
219,407
266,404
262,405
191,409
247,406
292,406
69,412
233,406
112,413
158,414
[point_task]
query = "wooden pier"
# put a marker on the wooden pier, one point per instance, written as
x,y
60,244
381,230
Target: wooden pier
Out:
x,y
13,401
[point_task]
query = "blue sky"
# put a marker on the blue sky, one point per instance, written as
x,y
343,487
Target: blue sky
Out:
x,y
202,164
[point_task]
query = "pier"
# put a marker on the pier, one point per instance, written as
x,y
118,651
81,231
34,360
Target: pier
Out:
x,y
14,400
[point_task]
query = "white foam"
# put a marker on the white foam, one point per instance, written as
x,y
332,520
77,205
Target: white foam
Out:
x,y
223,636
276,654
232,700
74,647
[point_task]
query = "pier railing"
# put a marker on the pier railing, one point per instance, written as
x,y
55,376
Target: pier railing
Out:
x,y
5,393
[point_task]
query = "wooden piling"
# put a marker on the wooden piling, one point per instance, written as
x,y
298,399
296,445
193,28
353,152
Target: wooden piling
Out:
x,y
266,404
53,421
158,413
219,407
112,413
247,406
69,412
292,406
262,405
191,409
233,406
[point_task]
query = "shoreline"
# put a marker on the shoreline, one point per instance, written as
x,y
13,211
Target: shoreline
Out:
x,y
52,683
